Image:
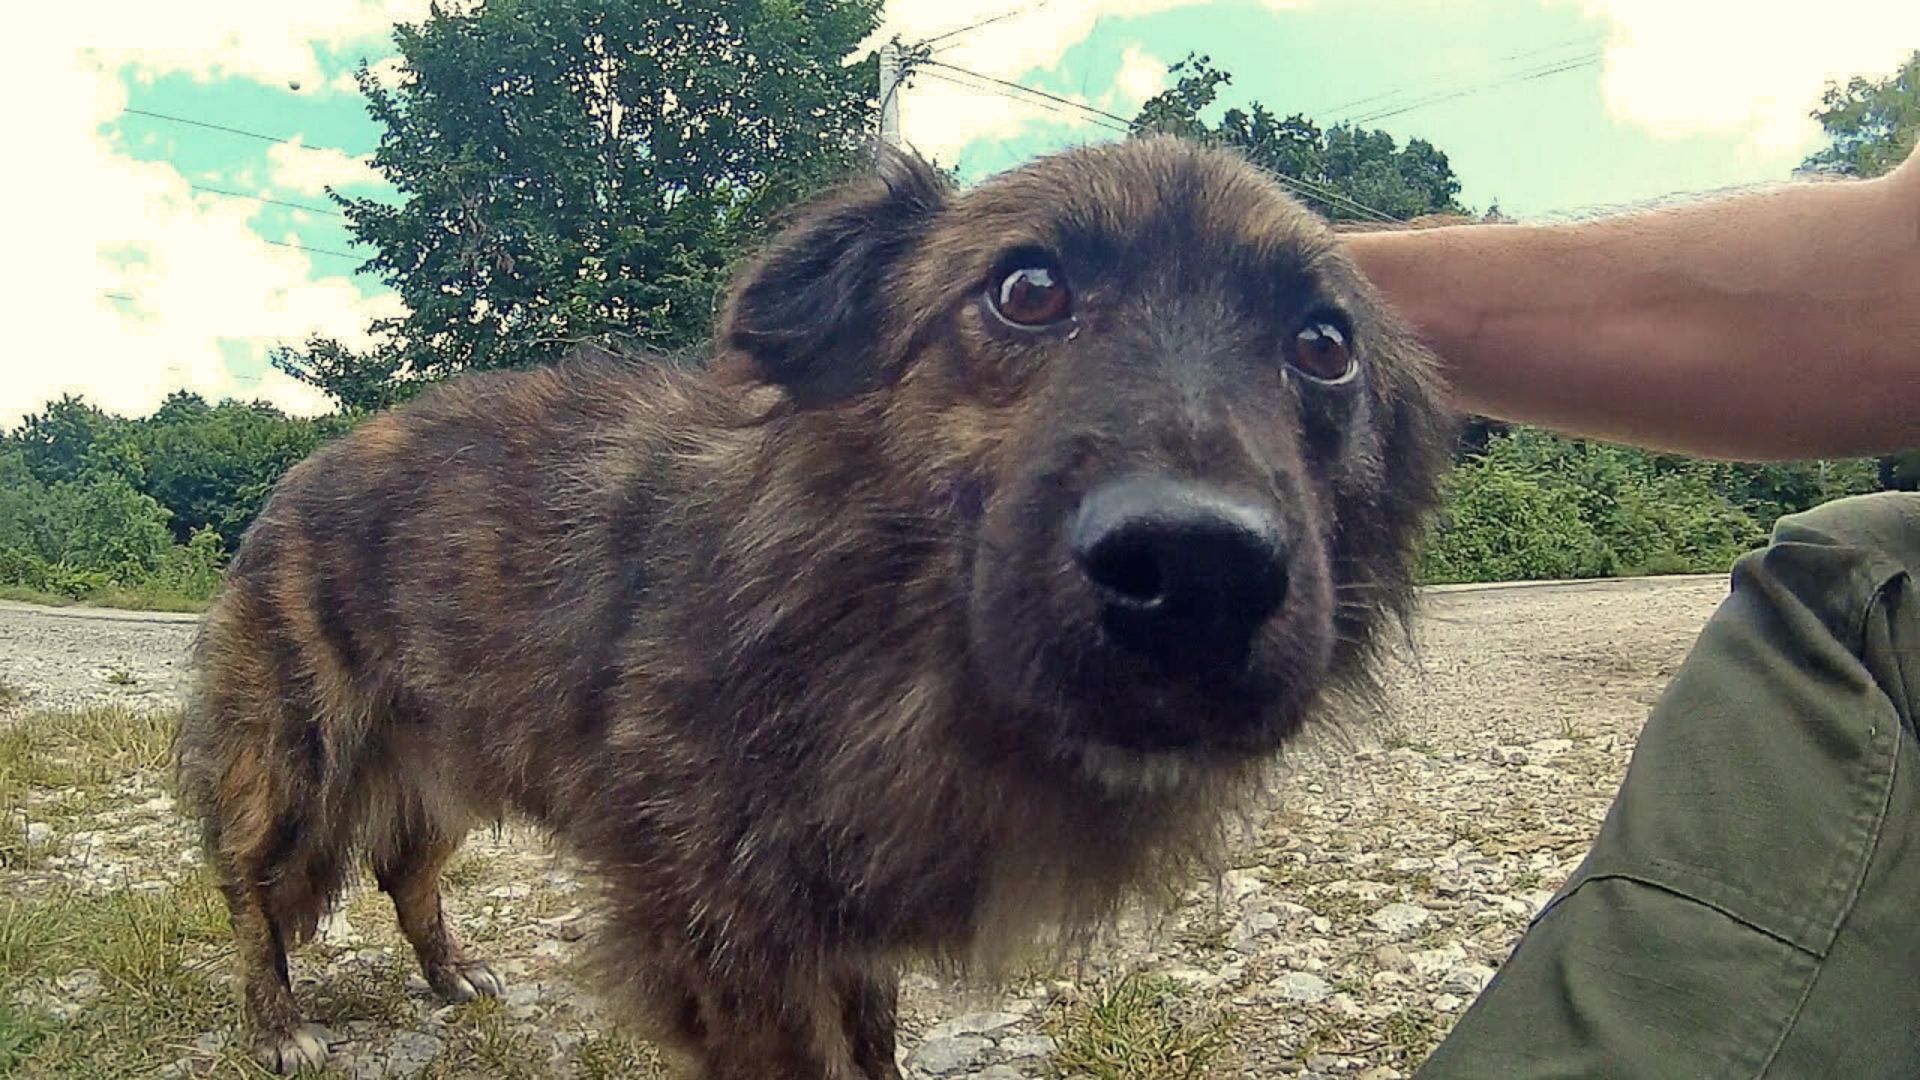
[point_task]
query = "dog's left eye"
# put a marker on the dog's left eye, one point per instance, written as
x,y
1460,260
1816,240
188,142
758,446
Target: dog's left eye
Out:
x,y
1320,351
1032,294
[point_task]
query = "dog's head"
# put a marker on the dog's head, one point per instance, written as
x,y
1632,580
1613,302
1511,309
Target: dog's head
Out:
x,y
1185,447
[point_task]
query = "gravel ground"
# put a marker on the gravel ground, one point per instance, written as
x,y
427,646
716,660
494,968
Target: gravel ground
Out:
x,y
1395,870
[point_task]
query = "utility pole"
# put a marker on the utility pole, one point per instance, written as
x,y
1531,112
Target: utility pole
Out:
x,y
890,93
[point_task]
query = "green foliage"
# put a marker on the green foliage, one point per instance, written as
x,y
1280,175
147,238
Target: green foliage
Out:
x,y
212,466
1535,505
1873,123
1364,167
141,512
587,169
1503,526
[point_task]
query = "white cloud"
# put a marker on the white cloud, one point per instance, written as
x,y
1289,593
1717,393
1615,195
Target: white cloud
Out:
x,y
1141,75
310,169
1745,68
131,283
270,42
385,72
939,117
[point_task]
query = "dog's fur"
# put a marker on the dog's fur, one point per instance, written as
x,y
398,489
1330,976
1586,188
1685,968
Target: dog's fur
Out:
x,y
788,649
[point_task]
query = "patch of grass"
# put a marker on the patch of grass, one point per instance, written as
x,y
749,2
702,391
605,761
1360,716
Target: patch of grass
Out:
x,y
487,1044
82,748
360,992
122,677
610,1057
136,598
1140,1028
81,752
19,1034
153,957
10,694
1411,1034
1210,932
466,870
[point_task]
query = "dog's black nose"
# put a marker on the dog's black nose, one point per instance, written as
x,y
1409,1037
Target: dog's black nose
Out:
x,y
1186,573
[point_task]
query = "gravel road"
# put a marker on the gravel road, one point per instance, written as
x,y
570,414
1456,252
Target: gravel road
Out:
x,y
1396,869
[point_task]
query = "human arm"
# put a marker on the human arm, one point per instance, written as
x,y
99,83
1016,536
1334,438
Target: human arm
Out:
x,y
1762,326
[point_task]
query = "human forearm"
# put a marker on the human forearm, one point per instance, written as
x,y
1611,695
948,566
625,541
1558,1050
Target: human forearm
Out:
x,y
1773,325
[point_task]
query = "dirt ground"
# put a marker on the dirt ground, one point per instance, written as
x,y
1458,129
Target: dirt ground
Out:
x,y
1395,869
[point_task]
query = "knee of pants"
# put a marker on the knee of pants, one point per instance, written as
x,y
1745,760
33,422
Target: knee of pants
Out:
x,y
1883,528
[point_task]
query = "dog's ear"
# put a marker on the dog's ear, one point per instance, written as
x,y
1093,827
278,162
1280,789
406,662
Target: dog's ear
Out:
x,y
810,311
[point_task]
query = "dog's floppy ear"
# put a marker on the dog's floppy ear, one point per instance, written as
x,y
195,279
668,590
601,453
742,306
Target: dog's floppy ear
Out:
x,y
808,312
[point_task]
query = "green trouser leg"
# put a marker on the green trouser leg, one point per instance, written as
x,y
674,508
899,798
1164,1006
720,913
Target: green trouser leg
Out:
x,y
1751,906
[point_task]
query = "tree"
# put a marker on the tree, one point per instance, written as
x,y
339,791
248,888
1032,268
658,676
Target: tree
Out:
x,y
587,169
74,440
1873,125
1358,168
212,467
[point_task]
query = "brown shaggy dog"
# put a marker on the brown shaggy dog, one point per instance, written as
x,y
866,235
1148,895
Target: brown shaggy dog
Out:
x,y
1008,532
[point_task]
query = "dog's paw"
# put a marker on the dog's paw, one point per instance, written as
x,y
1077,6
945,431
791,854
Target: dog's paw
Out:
x,y
465,981
301,1049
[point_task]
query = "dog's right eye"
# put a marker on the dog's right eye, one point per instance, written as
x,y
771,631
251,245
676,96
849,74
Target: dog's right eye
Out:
x,y
1031,294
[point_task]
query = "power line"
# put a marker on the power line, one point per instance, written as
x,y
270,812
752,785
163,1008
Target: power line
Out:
x,y
191,122
1113,122
1583,39
971,27
1094,117
1556,68
1068,102
309,207
1331,110
317,251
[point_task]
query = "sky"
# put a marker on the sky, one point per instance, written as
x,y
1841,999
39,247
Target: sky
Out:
x,y
162,255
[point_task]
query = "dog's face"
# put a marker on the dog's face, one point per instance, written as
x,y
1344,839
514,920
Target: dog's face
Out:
x,y
1185,446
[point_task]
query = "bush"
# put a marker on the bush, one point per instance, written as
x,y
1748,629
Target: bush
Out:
x,y
1534,505
1499,525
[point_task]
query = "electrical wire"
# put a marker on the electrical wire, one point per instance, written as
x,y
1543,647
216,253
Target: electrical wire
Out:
x,y
1011,12
1113,122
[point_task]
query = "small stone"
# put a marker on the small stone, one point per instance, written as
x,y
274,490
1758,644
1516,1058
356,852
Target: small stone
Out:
x,y
1193,977
1301,986
1507,755
1389,979
210,1042
336,931
1400,918
1392,958
39,833
985,1023
998,1072
1468,980
952,1056
411,1052
1240,884
1549,748
1434,961
1027,1047
1447,1003
79,985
